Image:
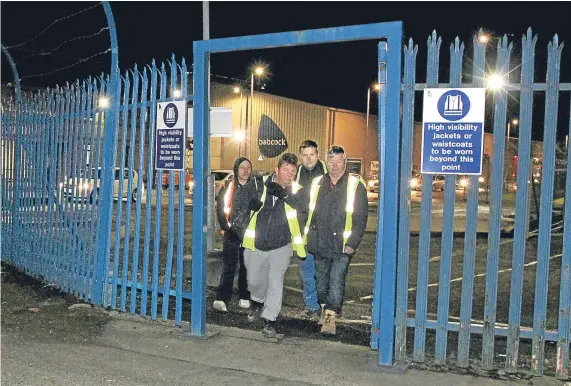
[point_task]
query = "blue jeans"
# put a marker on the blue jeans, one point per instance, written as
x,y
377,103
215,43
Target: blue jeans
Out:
x,y
330,275
307,273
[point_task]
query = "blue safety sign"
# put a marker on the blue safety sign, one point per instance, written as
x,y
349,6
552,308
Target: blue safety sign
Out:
x,y
170,138
453,131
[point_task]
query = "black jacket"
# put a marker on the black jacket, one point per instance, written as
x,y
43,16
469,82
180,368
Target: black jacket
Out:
x,y
220,210
237,189
272,227
325,235
306,175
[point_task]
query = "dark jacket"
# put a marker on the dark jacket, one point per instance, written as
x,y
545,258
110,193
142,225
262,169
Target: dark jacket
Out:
x,y
272,227
325,235
237,189
306,175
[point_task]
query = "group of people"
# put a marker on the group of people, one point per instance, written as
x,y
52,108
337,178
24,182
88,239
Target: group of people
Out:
x,y
313,209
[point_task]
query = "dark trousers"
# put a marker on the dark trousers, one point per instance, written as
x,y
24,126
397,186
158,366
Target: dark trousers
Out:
x,y
330,274
232,254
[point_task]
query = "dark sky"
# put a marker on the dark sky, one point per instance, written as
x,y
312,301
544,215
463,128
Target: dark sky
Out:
x,y
335,75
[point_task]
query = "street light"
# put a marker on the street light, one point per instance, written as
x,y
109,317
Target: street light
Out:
x,y
242,135
484,38
103,102
375,87
176,93
512,122
239,135
495,82
259,71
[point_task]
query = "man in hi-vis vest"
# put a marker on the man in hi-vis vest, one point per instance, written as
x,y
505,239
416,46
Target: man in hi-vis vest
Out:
x,y
232,251
311,167
271,230
336,223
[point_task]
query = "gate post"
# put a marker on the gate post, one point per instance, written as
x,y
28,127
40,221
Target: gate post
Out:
x,y
17,145
199,211
389,146
109,151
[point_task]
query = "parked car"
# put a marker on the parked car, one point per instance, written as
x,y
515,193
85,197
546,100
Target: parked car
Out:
x,y
438,183
188,180
87,185
373,184
462,182
415,181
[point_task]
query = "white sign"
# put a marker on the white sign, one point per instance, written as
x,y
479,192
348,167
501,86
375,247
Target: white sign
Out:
x,y
220,122
170,115
453,131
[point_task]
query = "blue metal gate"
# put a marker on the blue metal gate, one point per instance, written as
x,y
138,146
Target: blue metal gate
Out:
x,y
389,75
52,182
482,286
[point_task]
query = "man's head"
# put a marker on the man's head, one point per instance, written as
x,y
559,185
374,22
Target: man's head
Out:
x,y
309,153
336,161
286,169
242,169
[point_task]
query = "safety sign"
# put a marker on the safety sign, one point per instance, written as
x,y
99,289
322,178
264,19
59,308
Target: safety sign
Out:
x,y
170,138
453,131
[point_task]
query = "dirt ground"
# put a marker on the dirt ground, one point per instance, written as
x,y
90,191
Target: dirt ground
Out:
x,y
35,311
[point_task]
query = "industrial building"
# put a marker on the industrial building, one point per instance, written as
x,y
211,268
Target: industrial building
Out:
x,y
272,125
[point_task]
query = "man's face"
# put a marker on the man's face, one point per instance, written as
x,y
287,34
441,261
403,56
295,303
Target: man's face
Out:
x,y
309,157
285,174
244,171
336,165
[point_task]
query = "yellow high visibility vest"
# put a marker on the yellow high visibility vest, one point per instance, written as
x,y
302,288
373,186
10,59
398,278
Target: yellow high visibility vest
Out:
x,y
352,185
300,166
291,214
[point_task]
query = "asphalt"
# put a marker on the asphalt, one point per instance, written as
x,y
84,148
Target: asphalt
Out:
x,y
50,338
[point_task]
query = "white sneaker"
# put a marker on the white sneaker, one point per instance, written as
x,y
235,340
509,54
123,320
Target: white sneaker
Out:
x,y
244,303
219,305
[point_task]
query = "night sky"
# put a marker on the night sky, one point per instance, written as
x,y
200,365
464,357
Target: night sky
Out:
x,y
335,75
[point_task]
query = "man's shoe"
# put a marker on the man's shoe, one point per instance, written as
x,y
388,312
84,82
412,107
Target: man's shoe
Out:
x,y
321,317
255,311
244,303
219,305
269,330
328,327
311,315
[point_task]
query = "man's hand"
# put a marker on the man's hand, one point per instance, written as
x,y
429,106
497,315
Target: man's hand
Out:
x,y
233,231
255,204
348,250
277,190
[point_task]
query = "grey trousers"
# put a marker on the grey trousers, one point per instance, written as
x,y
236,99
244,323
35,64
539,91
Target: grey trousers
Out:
x,y
266,271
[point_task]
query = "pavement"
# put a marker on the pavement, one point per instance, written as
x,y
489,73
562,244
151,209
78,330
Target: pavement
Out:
x,y
50,338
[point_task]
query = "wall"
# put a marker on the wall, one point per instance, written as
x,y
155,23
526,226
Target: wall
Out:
x,y
297,120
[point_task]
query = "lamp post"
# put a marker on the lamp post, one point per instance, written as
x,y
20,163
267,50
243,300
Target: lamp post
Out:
x,y
259,71
236,91
375,87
